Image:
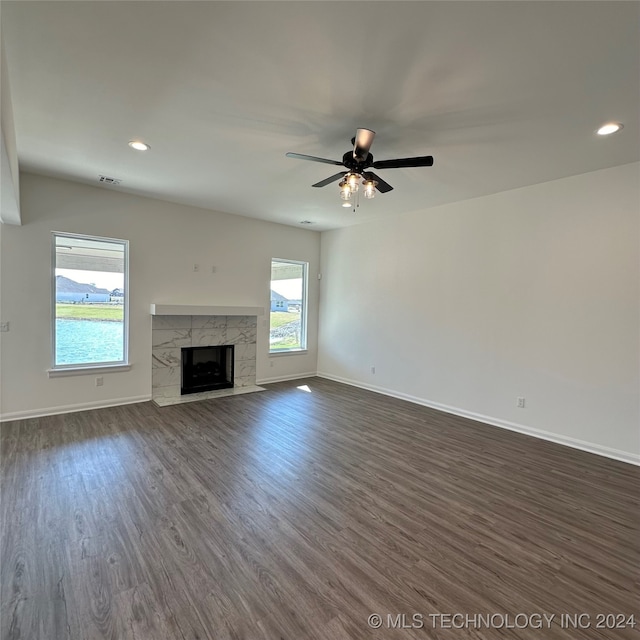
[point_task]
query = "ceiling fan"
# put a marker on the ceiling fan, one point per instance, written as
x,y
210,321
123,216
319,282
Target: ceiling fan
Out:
x,y
357,163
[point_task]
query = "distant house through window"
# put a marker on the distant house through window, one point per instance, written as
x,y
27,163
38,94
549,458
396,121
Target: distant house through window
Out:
x,y
288,325
89,301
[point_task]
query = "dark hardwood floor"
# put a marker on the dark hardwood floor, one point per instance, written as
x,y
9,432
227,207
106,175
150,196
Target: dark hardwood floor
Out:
x,y
295,515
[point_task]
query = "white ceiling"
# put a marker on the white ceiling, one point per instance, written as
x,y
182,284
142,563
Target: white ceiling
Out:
x,y
502,94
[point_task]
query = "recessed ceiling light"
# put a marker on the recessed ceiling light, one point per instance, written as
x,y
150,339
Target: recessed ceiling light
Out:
x,y
306,222
138,145
609,128
346,204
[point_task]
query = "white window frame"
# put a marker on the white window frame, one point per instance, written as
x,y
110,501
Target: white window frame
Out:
x,y
89,367
303,308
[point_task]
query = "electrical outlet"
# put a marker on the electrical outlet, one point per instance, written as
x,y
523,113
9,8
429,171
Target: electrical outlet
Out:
x,y
373,370
271,363
4,326
520,402
196,268
99,381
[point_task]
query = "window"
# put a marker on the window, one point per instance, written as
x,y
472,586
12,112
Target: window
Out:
x,y
90,292
288,306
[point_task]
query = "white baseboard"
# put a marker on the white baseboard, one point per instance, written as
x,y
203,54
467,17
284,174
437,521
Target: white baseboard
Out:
x,y
296,376
590,447
71,408
582,445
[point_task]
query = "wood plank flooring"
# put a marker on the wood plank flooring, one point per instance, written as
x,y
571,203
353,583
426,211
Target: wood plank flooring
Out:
x,y
295,515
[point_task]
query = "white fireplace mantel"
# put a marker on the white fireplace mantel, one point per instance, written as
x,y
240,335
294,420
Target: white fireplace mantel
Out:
x,y
203,310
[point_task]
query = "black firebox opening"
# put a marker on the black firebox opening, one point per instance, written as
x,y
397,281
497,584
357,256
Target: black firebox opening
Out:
x,y
206,368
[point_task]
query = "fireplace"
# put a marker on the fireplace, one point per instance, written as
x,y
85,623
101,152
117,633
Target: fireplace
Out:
x,y
206,368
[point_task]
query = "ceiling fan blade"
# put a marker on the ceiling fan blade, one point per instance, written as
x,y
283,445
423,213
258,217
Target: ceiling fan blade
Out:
x,y
301,156
398,163
362,144
382,186
324,183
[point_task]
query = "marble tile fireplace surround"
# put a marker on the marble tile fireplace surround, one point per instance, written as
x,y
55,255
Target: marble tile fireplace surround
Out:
x,y
177,326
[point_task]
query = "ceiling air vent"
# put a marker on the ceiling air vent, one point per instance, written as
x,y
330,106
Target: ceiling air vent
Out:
x,y
108,180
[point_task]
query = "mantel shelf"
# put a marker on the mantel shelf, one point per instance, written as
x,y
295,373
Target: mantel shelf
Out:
x,y
203,310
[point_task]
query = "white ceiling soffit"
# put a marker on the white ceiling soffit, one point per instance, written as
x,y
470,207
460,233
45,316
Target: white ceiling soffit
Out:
x,y
74,252
9,173
502,94
9,196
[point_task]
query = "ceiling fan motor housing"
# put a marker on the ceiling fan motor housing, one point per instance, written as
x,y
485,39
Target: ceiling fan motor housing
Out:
x,y
354,165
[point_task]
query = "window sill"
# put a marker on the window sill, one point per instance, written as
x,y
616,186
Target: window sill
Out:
x,y
86,371
291,352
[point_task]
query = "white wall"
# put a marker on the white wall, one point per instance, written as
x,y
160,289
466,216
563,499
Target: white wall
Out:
x,y
532,292
165,241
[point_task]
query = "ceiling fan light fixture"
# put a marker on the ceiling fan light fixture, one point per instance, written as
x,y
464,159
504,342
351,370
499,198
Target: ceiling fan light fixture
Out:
x,y
353,180
609,128
345,190
369,189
